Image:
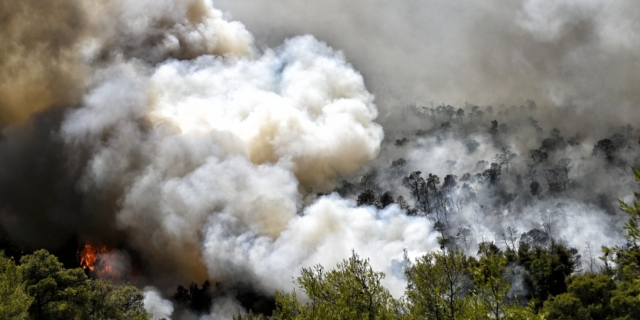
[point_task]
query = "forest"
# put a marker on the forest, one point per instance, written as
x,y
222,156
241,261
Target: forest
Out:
x,y
529,205
325,159
509,272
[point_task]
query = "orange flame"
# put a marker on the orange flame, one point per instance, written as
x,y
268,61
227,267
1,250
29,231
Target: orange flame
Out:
x,y
88,256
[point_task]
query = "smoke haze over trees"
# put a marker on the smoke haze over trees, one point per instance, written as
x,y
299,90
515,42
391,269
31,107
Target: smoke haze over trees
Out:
x,y
231,144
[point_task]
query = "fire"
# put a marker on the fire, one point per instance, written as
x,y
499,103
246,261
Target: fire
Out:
x,y
104,262
88,256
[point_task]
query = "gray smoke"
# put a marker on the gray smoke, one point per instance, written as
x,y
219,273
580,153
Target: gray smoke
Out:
x,y
577,59
580,56
204,149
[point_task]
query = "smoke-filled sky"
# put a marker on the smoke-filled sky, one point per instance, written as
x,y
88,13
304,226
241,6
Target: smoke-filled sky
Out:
x,y
202,140
560,53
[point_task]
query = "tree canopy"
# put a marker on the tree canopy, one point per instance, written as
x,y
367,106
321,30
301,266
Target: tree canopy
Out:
x,y
41,288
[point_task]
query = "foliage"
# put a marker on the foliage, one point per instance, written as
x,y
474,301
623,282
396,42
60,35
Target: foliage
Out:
x,y
565,307
109,301
351,291
437,285
15,301
625,301
627,258
516,312
57,293
491,286
41,288
549,269
547,266
251,316
594,292
440,285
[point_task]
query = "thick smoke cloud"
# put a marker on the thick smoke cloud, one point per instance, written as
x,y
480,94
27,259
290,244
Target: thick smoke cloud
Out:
x,y
50,48
166,130
180,125
207,161
324,234
39,66
232,137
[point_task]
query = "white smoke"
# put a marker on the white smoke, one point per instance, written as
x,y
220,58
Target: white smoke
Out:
x,y
156,306
212,158
326,233
301,106
224,308
571,217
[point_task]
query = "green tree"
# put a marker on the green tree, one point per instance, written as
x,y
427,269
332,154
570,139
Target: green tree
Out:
x,y
57,293
626,259
251,316
437,285
491,287
625,300
594,292
475,308
623,263
14,301
564,307
550,268
109,301
351,291
516,312
547,268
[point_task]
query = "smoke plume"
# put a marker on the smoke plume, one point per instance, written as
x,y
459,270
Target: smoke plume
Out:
x,y
192,147
206,150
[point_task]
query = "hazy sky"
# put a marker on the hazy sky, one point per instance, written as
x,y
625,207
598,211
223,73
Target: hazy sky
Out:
x,y
561,53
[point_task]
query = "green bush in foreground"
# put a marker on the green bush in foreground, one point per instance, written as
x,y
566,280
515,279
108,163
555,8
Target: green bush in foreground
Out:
x,y
41,288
